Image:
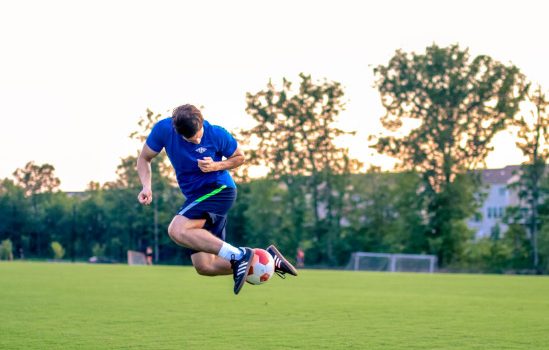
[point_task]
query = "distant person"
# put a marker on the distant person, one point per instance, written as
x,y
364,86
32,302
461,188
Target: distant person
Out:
x,y
196,150
21,254
300,257
149,255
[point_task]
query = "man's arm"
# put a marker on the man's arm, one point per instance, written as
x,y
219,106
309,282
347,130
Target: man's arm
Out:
x,y
145,174
236,160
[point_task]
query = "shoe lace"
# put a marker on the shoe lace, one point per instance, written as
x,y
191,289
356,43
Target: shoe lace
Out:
x,y
233,262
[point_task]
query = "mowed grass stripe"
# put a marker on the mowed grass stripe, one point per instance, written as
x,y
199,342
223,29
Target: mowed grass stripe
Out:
x,y
81,306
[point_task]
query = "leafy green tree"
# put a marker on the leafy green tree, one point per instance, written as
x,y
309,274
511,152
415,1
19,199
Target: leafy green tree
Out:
x,y
410,223
37,180
127,218
543,239
164,180
443,109
544,249
265,217
497,253
533,142
93,214
15,215
55,218
383,214
295,135
516,238
488,254
136,225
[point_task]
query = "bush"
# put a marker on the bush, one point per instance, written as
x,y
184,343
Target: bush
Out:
x,y
58,250
6,250
544,249
98,249
486,255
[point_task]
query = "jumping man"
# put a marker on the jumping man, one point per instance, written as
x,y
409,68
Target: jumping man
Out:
x,y
201,154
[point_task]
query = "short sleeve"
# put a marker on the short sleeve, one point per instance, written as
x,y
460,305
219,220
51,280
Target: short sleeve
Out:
x,y
227,144
156,138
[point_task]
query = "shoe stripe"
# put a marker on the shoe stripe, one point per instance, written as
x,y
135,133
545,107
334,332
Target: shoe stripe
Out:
x,y
277,261
242,269
282,266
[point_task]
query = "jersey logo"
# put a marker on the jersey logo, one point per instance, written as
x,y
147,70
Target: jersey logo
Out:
x,y
201,150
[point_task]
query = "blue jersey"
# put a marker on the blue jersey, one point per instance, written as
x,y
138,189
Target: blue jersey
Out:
x,y
215,143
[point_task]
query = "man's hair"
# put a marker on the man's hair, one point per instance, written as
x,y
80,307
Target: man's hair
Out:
x,y
187,120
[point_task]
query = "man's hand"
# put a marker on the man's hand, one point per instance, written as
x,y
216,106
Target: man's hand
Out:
x,y
145,196
207,165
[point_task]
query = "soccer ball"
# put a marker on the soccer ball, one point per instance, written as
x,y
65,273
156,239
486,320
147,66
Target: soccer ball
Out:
x,y
262,267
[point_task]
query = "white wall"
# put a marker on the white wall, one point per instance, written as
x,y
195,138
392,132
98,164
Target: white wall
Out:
x,y
499,197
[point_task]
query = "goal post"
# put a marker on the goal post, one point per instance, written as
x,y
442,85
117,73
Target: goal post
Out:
x,y
367,261
136,258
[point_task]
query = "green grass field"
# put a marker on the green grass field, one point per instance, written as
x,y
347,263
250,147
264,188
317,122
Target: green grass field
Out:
x,y
79,306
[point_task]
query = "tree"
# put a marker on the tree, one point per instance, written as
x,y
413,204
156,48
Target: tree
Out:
x,y
295,135
55,218
36,180
265,216
532,141
164,179
15,215
93,215
382,214
135,224
458,104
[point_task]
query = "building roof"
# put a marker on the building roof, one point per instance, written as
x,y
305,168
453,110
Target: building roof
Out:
x,y
499,176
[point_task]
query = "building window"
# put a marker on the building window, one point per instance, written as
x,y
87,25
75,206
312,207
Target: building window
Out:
x,y
478,217
495,212
502,191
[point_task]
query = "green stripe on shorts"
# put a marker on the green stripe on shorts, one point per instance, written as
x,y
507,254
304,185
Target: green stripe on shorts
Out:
x,y
214,192
204,197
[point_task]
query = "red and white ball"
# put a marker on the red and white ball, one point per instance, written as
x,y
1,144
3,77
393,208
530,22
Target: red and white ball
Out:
x,y
262,267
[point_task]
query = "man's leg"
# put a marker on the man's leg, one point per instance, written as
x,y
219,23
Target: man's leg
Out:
x,y
190,233
207,264
211,250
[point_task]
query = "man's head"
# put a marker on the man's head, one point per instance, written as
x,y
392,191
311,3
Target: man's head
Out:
x,y
187,121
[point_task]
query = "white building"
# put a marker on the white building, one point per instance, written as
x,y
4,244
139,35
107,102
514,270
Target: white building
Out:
x,y
498,198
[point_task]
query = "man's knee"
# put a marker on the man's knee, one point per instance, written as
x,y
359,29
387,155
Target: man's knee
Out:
x,y
180,226
204,268
175,231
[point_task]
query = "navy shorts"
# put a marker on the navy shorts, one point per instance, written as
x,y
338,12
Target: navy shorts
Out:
x,y
213,204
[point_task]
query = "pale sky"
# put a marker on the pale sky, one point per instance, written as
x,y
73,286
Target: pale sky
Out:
x,y
75,76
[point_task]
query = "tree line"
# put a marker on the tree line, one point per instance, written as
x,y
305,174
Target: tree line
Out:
x,y
443,108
